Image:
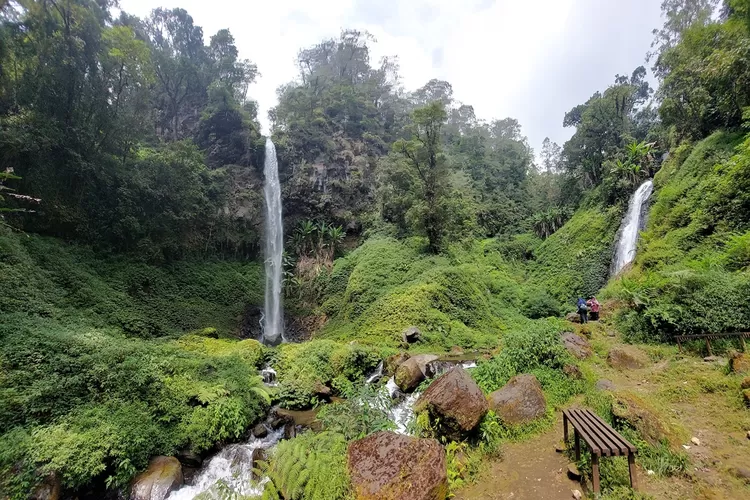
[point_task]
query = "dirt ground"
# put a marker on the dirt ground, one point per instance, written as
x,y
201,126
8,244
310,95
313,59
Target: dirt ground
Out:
x,y
694,398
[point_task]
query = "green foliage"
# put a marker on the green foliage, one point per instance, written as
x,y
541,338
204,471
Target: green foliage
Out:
x,y
690,274
310,466
94,402
575,261
463,298
364,411
303,367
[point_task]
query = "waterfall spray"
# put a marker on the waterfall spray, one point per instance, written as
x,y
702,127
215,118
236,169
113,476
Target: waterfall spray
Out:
x,y
273,319
631,226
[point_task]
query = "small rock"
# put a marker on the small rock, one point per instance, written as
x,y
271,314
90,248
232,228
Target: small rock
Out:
x,y
712,359
604,385
746,383
572,371
411,335
686,446
741,473
739,362
560,447
576,345
577,495
322,390
696,441
573,472
573,317
650,472
748,434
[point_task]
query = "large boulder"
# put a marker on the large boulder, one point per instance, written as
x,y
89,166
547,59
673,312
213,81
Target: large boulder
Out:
x,y
48,489
520,400
638,415
163,475
576,345
387,466
393,362
739,362
413,371
455,401
625,357
411,335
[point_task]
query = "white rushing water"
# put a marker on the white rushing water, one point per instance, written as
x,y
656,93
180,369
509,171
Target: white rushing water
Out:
x,y
631,226
273,319
230,470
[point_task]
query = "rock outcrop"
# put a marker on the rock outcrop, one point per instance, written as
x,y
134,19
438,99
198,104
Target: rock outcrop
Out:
x,y
412,372
625,357
163,475
520,400
388,466
455,401
393,362
573,317
576,345
739,362
641,417
411,335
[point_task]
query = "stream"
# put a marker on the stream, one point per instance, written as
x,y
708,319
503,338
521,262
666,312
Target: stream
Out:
x,y
229,472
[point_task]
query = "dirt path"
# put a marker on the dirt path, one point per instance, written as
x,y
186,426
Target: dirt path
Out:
x,y
530,470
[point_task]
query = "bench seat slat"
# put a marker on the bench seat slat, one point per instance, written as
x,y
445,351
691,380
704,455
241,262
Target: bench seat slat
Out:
x,y
598,435
585,433
615,444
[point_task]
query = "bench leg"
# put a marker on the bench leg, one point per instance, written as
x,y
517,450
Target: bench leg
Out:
x,y
631,467
595,471
565,430
578,444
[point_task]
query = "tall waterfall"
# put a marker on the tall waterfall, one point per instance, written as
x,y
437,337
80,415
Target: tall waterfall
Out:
x,y
273,318
631,226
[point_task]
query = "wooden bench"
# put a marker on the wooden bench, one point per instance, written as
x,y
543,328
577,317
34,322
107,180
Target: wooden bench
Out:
x,y
602,439
712,336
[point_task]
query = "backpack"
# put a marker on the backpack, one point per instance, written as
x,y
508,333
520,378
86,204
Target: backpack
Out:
x,y
582,307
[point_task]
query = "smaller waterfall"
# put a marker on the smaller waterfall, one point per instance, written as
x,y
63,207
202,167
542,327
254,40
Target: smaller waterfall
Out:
x,y
631,226
229,470
273,320
269,376
376,375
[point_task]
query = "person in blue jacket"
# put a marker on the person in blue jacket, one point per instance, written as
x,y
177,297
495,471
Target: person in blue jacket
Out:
x,y
583,310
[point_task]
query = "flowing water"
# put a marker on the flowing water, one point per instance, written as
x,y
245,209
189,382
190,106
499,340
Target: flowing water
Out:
x,y
229,471
273,319
631,226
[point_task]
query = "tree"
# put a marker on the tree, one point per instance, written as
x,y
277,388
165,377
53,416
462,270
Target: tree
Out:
x,y
422,154
550,155
679,15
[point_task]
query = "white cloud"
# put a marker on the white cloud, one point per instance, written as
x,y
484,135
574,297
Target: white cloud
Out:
x,y
532,60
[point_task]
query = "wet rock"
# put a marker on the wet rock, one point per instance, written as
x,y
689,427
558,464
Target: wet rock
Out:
x,y
258,455
604,385
260,431
455,401
411,335
627,358
573,472
387,466
49,489
576,345
413,371
573,317
739,362
393,362
163,475
572,371
188,458
638,415
290,431
520,400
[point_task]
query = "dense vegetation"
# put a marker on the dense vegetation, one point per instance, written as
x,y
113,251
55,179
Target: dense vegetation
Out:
x,y
130,208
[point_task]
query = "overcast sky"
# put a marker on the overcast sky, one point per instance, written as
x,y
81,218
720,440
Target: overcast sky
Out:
x,y
528,59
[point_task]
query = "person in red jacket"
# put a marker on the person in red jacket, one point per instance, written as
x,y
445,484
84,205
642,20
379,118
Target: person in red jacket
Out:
x,y
594,307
